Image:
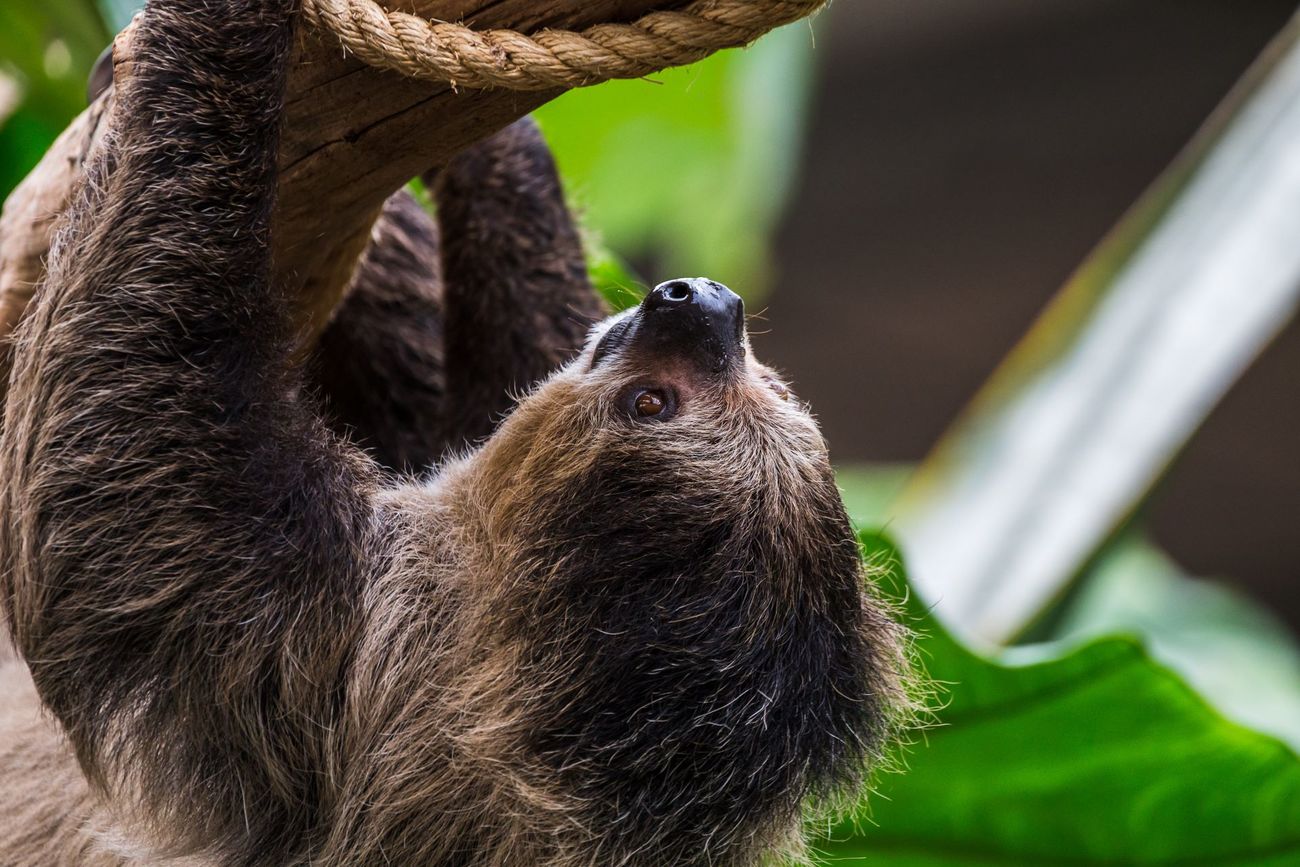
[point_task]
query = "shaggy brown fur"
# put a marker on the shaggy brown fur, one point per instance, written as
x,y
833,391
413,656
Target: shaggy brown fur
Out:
x,y
599,639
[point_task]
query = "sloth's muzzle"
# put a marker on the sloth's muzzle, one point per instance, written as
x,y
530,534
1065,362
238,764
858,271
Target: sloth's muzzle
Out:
x,y
693,319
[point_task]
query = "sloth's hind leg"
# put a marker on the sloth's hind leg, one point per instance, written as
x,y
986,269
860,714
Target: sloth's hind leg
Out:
x,y
379,365
428,347
518,302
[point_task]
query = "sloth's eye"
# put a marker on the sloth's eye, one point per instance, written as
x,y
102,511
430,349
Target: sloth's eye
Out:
x,y
649,403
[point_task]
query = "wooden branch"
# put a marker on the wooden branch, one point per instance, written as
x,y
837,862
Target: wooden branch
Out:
x,y
353,135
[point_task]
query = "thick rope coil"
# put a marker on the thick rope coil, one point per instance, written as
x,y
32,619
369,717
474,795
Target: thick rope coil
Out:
x,y
548,59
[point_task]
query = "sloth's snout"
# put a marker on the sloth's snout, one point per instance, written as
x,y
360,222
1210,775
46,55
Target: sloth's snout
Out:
x,y
696,318
692,303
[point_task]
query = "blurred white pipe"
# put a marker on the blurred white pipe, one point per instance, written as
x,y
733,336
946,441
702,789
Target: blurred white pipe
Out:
x,y
1068,438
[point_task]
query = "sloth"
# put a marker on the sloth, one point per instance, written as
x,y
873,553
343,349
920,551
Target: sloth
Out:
x,y
622,621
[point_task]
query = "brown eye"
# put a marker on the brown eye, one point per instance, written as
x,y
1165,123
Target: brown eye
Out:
x,y
649,403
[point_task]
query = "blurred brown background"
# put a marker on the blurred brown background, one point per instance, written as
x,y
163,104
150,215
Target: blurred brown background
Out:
x,y
964,157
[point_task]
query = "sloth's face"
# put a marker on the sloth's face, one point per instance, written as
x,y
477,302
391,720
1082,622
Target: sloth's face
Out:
x,y
672,387
683,350
664,427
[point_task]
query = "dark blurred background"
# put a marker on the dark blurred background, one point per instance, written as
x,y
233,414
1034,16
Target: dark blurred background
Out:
x,y
963,157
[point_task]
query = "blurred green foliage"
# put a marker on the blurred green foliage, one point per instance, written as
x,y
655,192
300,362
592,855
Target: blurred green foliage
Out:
x,y
1234,652
46,51
1230,649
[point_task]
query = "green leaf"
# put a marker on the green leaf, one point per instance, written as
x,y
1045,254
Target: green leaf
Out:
x,y
612,277
690,171
1094,756
422,194
46,51
1230,649
1064,443
24,137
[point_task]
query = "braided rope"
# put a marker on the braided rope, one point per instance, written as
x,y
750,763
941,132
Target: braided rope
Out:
x,y
548,59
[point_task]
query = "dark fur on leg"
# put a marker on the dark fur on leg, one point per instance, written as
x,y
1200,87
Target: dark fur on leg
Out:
x,y
518,303
411,381
379,366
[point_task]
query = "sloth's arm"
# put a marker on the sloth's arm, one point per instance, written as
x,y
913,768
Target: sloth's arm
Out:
x,y
518,303
183,544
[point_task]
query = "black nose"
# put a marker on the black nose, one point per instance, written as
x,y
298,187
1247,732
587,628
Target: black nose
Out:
x,y
673,293
695,316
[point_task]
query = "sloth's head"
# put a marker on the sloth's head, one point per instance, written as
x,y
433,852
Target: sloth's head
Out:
x,y
666,449
665,435
662,512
